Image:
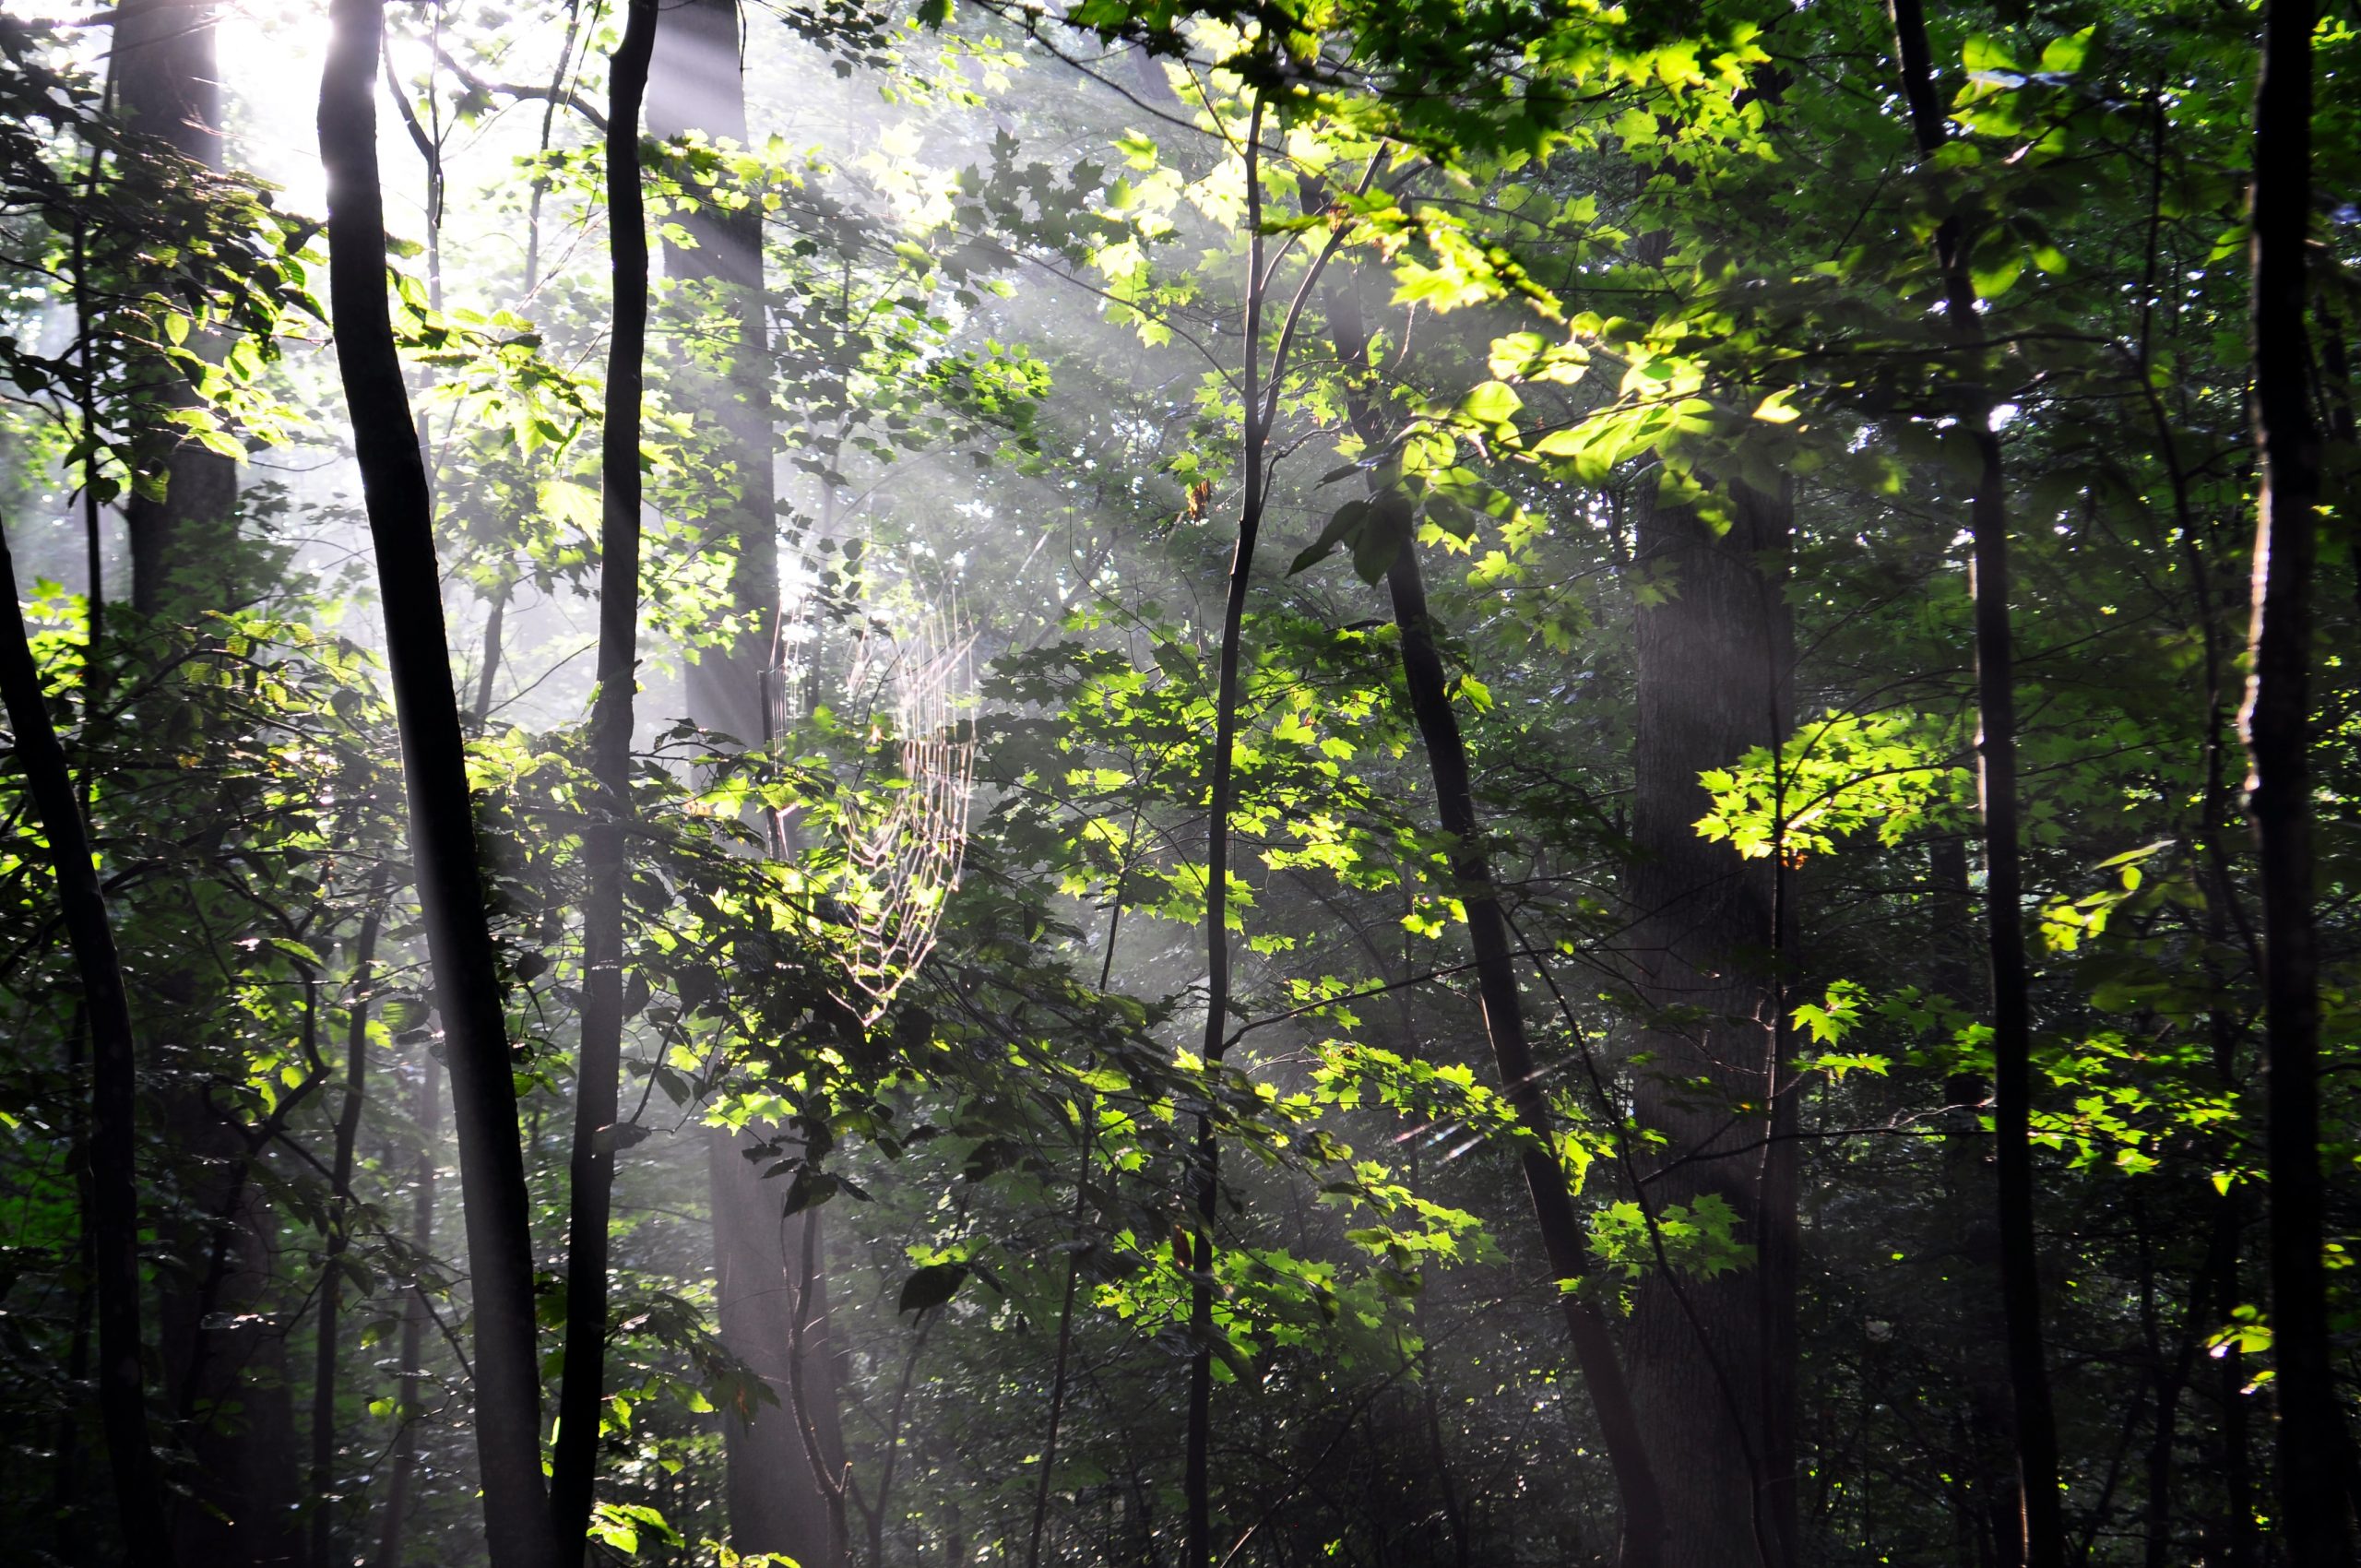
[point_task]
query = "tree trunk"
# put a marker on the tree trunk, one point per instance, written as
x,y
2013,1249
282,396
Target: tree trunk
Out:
x,y
1648,1531
1564,1242
348,1133
574,1466
167,86
401,1468
2276,724
1990,1467
696,83
1712,1375
1221,765
441,826
113,1142
774,1500
2044,1527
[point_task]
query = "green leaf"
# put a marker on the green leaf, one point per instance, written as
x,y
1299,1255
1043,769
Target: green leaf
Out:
x,y
1343,525
1492,403
1384,536
2064,57
932,1286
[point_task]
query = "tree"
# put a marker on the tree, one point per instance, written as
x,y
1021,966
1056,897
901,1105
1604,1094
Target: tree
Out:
x,y
2044,1536
2314,1457
518,1525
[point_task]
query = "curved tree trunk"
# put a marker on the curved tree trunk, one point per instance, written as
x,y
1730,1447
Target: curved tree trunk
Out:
x,y
113,1142
441,826
1563,1240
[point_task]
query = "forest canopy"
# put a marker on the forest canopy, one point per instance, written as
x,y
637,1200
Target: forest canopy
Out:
x,y
1180,784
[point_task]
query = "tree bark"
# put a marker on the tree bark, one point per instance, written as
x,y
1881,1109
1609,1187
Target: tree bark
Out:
x,y
1711,1376
696,83
2043,1530
483,1092
2276,724
1990,1467
113,1142
575,1465
167,86
1648,1532
1221,765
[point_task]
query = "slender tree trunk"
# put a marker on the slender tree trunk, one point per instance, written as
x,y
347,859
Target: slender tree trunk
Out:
x,y
2277,727
2044,1528
1197,1481
574,1466
1086,1131
1563,1240
402,1468
393,472
1645,1525
113,1144
348,1133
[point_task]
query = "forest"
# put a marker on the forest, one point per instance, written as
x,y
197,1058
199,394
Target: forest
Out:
x,y
1180,783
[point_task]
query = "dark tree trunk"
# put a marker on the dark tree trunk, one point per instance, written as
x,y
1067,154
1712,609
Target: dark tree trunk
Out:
x,y
574,1466
167,86
2043,1530
1711,1369
1991,1465
1221,766
2277,727
113,1142
441,826
1564,1242
1648,1530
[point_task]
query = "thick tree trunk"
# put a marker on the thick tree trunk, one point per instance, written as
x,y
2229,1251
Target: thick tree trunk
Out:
x,y
574,1466
695,83
2044,1528
491,1168
1989,1470
1712,1373
774,1500
2277,726
113,1142
167,86
219,1346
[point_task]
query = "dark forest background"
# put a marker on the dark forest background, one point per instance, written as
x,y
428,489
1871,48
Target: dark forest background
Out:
x,y
1229,785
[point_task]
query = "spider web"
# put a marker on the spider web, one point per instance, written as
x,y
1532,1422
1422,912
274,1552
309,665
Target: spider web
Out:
x,y
902,863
